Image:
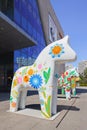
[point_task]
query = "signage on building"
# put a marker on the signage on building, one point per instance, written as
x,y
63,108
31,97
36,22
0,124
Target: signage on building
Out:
x,y
52,30
21,61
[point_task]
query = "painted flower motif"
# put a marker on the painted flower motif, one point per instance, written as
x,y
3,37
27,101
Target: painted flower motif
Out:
x,y
19,80
13,104
36,81
40,66
15,82
26,78
30,71
57,50
66,73
14,93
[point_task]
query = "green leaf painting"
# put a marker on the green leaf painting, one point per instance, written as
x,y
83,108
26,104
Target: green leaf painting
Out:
x,y
11,98
44,94
47,106
46,75
45,114
24,71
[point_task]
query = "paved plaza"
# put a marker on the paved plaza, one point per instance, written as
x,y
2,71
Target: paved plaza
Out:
x,y
72,114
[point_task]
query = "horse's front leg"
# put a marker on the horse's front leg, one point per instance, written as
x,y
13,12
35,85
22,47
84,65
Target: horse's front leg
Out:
x,y
14,99
46,101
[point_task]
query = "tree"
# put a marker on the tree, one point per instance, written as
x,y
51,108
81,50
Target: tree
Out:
x,y
83,78
85,73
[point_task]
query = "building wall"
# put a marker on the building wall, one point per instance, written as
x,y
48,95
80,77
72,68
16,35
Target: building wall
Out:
x,y
46,10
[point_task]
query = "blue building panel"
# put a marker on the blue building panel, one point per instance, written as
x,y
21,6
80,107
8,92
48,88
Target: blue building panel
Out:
x,y
30,31
24,23
24,8
17,4
26,15
17,16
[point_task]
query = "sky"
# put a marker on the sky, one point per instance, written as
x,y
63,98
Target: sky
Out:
x,y
72,15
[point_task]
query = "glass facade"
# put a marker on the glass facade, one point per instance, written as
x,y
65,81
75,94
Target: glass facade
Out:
x,y
26,15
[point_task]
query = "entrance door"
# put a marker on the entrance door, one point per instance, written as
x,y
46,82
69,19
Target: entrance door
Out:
x,y
6,72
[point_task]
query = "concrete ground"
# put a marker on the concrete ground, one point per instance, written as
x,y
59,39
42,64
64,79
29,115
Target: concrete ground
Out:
x,y
72,113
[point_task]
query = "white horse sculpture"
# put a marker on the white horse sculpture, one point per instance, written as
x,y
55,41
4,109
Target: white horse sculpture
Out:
x,y
41,76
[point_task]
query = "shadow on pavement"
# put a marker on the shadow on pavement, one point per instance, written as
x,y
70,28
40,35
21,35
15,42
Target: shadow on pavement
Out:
x,y
81,90
66,107
33,106
59,107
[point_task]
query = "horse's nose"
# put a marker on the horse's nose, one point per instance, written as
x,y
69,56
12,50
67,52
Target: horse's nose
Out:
x,y
75,57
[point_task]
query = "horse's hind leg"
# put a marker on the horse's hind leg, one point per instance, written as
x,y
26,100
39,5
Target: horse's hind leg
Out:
x,y
22,99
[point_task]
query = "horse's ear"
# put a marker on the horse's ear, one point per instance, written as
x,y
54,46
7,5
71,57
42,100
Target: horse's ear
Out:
x,y
66,39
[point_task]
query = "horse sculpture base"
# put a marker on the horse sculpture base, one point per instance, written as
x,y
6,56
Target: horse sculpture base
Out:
x,y
35,113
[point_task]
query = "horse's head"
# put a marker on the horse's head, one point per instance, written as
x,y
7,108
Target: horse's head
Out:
x,y
58,51
61,51
72,72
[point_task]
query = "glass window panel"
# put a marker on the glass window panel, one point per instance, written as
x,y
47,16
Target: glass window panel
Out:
x,y
15,67
30,31
24,23
24,8
17,4
25,50
17,16
16,54
34,33
30,1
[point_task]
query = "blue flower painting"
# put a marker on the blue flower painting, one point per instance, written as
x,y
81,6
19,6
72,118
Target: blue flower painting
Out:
x,y
36,81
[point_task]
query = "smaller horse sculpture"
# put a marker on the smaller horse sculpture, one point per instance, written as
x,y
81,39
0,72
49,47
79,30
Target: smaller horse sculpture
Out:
x,y
68,81
41,76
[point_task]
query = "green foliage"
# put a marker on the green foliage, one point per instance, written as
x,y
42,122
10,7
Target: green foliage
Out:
x,y
83,84
85,73
83,78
